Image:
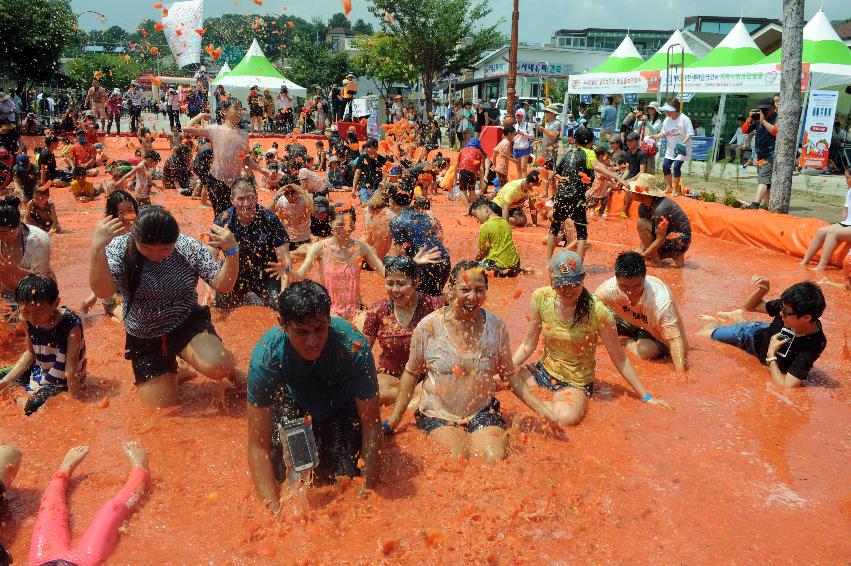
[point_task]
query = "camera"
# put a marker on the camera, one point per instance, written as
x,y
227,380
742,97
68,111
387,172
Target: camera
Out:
x,y
756,115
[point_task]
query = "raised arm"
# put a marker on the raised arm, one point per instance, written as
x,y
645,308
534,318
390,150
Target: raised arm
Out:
x,y
100,277
192,129
369,254
312,253
755,302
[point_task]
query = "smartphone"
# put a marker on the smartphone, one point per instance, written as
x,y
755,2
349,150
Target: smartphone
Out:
x,y
783,351
300,452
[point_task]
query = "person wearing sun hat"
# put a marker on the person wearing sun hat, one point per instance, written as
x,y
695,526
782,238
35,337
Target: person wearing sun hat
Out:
x,y
572,321
677,130
663,226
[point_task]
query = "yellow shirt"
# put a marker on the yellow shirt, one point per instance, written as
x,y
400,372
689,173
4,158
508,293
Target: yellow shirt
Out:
x,y
512,194
569,351
87,189
495,238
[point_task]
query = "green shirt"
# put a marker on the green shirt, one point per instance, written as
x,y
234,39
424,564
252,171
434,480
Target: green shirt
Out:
x,y
496,239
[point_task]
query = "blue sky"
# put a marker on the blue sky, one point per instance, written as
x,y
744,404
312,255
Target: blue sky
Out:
x,y
538,18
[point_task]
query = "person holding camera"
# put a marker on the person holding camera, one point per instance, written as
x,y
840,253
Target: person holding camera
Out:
x,y
314,368
791,343
762,121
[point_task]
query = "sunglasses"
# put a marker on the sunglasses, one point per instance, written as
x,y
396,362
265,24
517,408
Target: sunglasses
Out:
x,y
786,314
399,262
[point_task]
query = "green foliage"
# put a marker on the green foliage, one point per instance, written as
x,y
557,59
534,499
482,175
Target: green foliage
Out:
x,y
707,196
437,36
117,72
35,33
378,57
339,20
274,34
114,36
730,199
313,64
361,26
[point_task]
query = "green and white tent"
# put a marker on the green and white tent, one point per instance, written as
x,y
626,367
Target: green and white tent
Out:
x,y
625,58
659,59
223,71
738,48
256,70
821,44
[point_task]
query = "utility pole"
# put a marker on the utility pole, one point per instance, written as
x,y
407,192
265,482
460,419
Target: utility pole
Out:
x,y
511,93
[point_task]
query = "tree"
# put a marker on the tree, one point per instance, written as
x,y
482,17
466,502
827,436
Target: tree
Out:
x,y
312,64
378,57
113,70
339,20
437,36
785,149
35,33
361,26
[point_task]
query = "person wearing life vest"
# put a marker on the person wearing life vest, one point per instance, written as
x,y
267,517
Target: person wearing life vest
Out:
x,y
348,93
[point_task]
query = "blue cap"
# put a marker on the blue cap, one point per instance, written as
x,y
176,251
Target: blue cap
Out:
x,y
22,160
475,143
396,170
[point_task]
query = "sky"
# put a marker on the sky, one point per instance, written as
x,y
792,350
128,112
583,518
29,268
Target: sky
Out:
x,y
537,17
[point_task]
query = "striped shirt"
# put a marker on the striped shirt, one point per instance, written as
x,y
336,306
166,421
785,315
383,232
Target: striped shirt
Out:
x,y
135,97
166,292
50,346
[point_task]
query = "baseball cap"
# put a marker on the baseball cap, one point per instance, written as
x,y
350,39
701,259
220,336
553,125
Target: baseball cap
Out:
x,y
492,101
22,161
334,127
566,269
396,170
766,103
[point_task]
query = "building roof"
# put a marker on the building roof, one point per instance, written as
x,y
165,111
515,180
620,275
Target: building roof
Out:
x,y
710,39
625,31
342,31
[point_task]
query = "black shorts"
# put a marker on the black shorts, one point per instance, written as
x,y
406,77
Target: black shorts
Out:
x,y
256,112
466,180
570,204
267,290
153,357
489,415
432,277
338,440
633,332
219,194
544,379
675,246
490,266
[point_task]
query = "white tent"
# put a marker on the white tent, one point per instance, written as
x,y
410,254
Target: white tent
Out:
x,y
255,70
223,71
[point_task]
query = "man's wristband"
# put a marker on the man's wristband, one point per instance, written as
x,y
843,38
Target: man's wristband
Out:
x,y
233,251
647,397
771,359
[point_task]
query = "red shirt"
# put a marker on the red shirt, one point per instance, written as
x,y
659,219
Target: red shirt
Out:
x,y
470,158
395,340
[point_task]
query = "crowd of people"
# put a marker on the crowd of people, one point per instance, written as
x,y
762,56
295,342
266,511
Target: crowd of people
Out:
x,y
313,378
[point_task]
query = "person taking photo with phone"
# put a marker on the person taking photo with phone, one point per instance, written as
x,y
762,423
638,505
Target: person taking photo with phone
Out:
x,y
791,343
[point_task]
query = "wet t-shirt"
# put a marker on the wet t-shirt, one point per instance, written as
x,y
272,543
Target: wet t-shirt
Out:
x,y
802,353
382,325
344,370
678,222
569,349
413,231
257,241
166,292
228,144
459,383
295,216
654,312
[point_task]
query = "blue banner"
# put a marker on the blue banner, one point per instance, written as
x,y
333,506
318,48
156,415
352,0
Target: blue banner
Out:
x,y
700,146
630,98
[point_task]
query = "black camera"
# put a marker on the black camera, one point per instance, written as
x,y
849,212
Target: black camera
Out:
x,y
756,115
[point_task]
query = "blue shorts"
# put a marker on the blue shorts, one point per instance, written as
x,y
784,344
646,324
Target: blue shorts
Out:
x,y
364,193
544,379
522,152
489,415
740,335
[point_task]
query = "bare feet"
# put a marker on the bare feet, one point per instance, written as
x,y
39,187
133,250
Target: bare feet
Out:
x,y
707,330
136,454
73,459
735,315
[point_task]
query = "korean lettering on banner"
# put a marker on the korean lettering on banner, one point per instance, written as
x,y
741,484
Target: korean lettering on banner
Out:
x,y
700,146
630,98
818,125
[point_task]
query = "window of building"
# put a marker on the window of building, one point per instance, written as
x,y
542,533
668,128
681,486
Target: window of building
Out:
x,y
571,41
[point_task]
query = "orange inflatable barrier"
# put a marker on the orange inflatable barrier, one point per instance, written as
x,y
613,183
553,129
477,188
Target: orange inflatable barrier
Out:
x,y
761,229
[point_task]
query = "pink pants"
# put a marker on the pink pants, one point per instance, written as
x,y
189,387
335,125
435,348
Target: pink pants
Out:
x,y
51,538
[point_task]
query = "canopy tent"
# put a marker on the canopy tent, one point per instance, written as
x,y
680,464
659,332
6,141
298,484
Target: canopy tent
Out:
x,y
625,58
255,70
736,49
223,71
821,44
659,59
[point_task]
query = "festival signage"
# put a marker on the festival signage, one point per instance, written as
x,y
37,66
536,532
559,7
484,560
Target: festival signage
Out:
x,y
752,78
818,127
530,68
